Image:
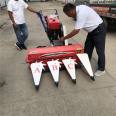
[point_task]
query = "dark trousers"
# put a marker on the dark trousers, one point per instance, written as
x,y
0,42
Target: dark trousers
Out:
x,y
21,32
96,39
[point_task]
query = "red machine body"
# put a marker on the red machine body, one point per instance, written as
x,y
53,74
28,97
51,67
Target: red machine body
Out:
x,y
53,53
60,54
53,22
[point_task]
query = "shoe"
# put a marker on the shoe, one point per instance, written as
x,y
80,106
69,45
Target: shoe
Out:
x,y
23,46
99,73
18,46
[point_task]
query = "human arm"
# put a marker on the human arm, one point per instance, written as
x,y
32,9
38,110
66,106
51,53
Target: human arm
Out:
x,y
31,9
71,34
12,18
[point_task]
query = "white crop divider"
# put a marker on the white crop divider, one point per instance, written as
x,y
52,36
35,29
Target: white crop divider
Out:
x,y
86,63
54,66
36,69
70,67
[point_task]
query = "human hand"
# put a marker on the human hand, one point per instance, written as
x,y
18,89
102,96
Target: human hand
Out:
x,y
15,25
62,39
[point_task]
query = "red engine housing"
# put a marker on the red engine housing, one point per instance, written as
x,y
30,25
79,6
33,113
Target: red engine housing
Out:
x,y
53,22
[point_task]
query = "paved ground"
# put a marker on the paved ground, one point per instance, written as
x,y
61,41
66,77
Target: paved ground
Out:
x,y
18,96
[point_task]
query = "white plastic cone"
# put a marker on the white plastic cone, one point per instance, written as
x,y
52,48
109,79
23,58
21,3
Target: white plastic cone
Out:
x,y
36,69
86,63
54,69
70,66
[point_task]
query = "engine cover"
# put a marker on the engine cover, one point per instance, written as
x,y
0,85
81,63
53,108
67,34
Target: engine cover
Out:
x,y
53,22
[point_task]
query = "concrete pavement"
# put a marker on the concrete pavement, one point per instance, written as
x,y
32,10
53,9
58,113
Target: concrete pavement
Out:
x,y
18,96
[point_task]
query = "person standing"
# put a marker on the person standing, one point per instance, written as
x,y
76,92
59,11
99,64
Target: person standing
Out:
x,y
16,13
90,21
